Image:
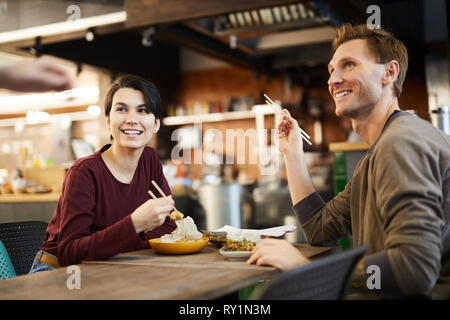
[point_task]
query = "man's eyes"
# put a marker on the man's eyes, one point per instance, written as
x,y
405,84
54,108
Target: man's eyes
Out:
x,y
349,65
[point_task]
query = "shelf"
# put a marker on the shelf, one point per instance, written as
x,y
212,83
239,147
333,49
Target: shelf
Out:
x,y
30,197
348,146
217,117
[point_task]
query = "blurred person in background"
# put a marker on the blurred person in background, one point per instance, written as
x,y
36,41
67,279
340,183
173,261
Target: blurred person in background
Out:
x,y
42,74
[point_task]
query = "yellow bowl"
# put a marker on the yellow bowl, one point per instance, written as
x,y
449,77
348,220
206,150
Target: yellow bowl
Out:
x,y
178,247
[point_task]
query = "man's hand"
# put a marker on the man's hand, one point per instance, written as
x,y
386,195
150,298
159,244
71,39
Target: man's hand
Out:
x,y
36,76
277,253
289,135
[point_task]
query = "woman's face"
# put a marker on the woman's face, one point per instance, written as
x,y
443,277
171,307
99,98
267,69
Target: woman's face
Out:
x,y
129,122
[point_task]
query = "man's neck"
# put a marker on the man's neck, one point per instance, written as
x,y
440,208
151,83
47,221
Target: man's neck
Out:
x,y
369,126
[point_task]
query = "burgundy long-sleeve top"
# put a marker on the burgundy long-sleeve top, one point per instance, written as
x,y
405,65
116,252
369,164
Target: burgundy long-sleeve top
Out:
x,y
93,217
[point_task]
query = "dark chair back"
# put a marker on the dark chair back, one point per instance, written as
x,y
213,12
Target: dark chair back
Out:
x,y
22,240
323,279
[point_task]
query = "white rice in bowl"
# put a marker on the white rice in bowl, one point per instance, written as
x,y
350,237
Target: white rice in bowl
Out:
x,y
186,230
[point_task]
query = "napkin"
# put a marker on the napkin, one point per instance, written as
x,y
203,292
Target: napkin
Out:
x,y
271,232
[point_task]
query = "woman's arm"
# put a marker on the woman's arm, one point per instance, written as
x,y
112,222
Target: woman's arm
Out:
x,y
77,241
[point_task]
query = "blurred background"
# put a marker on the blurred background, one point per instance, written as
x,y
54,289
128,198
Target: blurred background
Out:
x,y
211,61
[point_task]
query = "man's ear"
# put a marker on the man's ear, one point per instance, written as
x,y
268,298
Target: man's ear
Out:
x,y
391,71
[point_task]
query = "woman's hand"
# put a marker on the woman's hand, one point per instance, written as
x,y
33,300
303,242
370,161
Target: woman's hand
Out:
x,y
152,213
277,253
289,135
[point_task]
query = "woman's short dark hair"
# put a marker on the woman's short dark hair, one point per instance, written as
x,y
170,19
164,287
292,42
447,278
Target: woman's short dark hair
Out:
x,y
151,94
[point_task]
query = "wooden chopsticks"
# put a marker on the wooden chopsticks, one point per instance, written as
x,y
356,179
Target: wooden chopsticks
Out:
x,y
275,106
178,215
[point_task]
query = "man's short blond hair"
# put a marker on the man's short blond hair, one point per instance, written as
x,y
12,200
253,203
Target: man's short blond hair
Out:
x,y
383,45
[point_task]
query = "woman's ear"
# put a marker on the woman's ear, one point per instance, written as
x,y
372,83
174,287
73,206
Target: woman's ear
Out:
x,y
391,72
108,123
157,126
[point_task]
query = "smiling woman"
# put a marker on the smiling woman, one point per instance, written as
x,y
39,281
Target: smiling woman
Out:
x,y
105,207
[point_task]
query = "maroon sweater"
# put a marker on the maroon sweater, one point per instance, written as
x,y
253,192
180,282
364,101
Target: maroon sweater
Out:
x,y
92,219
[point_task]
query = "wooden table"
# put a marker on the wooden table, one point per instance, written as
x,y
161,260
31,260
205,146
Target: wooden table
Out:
x,y
147,275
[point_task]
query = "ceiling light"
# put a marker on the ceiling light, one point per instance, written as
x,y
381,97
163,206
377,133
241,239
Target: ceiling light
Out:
x,y
63,27
19,126
147,40
233,41
34,117
94,110
65,122
89,36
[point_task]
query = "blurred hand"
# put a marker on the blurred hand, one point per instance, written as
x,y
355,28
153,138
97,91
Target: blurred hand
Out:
x,y
277,253
36,76
152,213
289,135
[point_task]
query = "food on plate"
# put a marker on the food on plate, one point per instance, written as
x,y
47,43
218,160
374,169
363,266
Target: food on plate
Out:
x,y
244,245
241,241
186,231
217,238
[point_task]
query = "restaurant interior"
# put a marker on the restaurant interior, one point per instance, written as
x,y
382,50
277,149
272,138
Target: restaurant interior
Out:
x,y
212,62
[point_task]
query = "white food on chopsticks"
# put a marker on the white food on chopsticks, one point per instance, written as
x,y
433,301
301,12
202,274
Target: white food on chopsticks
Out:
x,y
186,230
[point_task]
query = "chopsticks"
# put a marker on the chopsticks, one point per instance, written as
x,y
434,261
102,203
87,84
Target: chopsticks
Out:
x,y
270,102
178,214
158,188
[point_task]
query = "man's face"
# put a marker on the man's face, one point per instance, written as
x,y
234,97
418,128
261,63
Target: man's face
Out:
x,y
355,81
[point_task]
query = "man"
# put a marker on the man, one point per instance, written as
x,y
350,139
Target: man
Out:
x,y
40,75
398,201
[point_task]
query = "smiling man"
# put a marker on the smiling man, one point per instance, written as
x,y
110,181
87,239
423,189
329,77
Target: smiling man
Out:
x,y
398,201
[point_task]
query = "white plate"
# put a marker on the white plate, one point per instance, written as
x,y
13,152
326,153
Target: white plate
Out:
x,y
235,254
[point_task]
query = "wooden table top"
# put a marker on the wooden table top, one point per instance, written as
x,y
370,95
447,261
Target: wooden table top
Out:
x,y
147,275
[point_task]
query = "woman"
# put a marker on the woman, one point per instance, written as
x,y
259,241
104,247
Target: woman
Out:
x,y
104,206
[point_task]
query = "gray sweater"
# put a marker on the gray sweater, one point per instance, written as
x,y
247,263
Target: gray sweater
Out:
x,y
397,204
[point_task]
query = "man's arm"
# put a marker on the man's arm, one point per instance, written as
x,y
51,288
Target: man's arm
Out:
x,y
322,223
291,146
407,179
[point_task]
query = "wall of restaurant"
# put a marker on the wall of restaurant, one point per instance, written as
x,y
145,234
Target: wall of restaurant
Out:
x,y
203,80
218,83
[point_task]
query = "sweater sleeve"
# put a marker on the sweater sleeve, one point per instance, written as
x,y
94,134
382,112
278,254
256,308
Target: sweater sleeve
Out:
x,y
76,241
409,195
322,223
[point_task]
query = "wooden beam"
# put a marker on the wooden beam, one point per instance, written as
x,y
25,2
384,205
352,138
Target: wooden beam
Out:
x,y
149,12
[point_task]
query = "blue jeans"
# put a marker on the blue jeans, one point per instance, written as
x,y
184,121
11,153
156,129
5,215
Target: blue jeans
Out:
x,y
38,266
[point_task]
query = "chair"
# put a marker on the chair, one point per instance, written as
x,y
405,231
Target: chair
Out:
x,y
6,267
22,241
323,279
